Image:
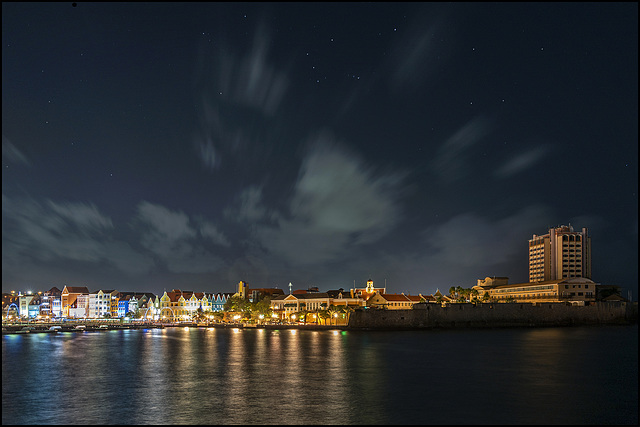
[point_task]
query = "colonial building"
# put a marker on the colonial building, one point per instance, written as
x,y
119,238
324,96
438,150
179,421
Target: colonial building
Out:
x,y
51,304
340,297
101,303
394,301
135,303
218,300
561,253
574,290
182,305
286,305
75,301
367,292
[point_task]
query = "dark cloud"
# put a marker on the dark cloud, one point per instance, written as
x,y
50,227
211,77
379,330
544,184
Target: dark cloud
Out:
x,y
419,143
337,203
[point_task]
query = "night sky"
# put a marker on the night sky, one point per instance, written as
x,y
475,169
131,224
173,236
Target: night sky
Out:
x,y
190,145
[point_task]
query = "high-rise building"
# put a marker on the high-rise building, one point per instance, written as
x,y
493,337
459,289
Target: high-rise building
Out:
x,y
559,254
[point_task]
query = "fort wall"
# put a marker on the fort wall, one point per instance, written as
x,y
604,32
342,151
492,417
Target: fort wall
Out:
x,y
429,315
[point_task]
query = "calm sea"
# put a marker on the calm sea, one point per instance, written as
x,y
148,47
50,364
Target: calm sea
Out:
x,y
572,375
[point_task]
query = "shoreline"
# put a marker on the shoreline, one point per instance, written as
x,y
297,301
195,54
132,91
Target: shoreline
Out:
x,y
421,317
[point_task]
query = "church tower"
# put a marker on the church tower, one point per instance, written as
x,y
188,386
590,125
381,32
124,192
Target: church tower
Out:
x,y
370,286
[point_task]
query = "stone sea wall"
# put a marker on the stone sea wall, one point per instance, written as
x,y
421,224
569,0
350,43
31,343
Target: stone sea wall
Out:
x,y
429,315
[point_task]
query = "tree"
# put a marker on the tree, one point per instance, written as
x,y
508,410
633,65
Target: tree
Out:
x,y
302,315
452,292
332,311
198,315
262,307
236,304
347,310
323,315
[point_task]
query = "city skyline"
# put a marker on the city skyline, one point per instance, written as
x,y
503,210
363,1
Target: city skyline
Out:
x,y
168,145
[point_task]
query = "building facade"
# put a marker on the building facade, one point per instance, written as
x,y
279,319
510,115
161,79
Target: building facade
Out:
x,y
74,301
367,292
394,301
561,253
574,290
51,305
102,303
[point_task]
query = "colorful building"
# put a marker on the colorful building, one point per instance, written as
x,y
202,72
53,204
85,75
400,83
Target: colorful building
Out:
x,y
75,301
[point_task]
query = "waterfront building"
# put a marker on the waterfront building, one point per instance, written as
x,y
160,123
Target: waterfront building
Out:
x,y
218,300
284,306
574,290
23,304
34,306
75,301
102,303
561,253
51,306
340,297
182,305
300,301
124,303
136,302
172,305
368,291
394,301
198,301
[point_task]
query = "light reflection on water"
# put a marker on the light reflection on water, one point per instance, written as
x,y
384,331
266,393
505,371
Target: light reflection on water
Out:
x,y
245,376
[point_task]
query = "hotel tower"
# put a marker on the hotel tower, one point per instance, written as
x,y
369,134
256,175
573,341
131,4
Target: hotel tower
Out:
x,y
559,254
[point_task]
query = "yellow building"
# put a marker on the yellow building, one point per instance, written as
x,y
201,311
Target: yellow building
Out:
x,y
561,253
575,290
286,305
394,301
179,305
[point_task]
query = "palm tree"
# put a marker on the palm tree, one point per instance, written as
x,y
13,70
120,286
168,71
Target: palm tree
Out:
x,y
347,310
323,314
303,315
332,310
452,292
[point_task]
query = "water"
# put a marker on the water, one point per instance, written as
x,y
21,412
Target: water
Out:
x,y
577,375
